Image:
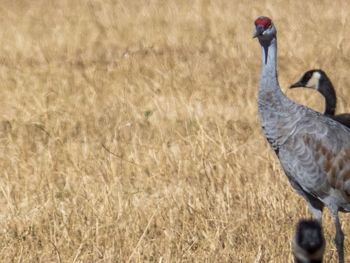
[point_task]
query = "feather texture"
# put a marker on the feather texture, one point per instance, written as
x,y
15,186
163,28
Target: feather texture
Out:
x,y
314,150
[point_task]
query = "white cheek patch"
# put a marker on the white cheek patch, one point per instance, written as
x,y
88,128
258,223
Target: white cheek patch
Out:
x,y
314,80
265,31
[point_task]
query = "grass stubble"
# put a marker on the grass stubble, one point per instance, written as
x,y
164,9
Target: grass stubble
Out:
x,y
129,129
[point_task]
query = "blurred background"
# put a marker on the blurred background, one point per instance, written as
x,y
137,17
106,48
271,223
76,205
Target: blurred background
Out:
x,y
129,129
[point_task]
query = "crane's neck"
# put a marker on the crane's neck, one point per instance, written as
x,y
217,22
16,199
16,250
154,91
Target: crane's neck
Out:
x,y
270,94
327,90
278,114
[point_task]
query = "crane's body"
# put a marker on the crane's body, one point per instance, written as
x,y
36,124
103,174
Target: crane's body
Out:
x,y
314,150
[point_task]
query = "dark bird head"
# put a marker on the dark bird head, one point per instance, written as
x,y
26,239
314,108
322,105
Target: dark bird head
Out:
x,y
310,79
309,243
317,79
264,29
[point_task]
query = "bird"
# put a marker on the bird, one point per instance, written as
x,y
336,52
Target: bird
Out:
x,y
317,79
313,149
308,243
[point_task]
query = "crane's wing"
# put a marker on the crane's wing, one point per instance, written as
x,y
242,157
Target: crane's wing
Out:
x,y
317,155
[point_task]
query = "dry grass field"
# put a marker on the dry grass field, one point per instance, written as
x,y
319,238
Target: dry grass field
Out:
x,y
129,129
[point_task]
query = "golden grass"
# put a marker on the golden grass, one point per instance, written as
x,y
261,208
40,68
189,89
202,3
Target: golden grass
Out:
x,y
129,129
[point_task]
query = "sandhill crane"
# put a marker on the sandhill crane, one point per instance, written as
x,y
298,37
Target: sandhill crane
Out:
x,y
317,79
308,242
314,150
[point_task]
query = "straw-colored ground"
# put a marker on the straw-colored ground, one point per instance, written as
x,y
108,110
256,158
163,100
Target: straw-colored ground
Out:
x,y
129,129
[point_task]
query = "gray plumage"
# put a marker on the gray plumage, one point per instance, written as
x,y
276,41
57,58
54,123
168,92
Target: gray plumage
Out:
x,y
317,79
313,149
308,243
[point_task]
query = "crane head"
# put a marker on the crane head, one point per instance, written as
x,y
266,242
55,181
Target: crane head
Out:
x,y
264,28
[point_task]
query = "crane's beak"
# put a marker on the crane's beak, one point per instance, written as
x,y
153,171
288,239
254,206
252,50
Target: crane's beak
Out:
x,y
296,85
258,31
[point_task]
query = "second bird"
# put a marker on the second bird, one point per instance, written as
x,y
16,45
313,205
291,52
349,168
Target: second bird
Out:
x,y
317,79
